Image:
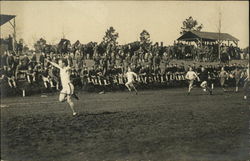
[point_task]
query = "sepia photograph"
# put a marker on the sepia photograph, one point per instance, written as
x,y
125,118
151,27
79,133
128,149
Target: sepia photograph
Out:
x,y
124,80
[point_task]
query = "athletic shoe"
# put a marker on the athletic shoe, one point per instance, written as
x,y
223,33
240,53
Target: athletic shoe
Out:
x,y
211,92
102,92
75,96
74,113
245,97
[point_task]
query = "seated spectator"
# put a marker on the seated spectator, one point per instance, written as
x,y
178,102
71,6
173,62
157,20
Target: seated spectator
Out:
x,y
10,77
46,78
31,75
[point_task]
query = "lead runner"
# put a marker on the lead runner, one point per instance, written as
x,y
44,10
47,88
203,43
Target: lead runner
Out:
x,y
67,87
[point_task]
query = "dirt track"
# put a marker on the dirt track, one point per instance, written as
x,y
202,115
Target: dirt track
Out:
x,y
154,125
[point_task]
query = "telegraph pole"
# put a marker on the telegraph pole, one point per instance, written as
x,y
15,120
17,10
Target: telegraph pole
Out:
x,y
14,26
219,52
63,33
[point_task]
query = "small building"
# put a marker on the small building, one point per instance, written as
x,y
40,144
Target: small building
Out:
x,y
198,36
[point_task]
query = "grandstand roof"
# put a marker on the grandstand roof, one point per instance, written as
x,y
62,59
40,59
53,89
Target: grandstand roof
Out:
x,y
5,18
206,36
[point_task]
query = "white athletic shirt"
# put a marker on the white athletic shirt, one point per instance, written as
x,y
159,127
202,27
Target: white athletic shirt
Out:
x,y
130,76
191,75
65,76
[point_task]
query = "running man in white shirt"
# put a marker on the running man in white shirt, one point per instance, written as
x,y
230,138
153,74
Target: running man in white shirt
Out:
x,y
67,87
131,78
191,76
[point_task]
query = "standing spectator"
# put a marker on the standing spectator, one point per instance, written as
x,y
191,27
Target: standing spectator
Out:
x,y
70,60
10,60
79,60
4,59
25,61
104,62
112,59
165,59
118,60
156,60
97,60
127,61
134,59
16,62
33,60
42,58
150,59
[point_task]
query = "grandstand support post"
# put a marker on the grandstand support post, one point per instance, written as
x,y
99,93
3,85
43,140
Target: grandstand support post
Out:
x,y
13,25
236,43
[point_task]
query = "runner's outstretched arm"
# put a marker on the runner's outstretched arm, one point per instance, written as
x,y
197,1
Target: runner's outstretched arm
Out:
x,y
54,64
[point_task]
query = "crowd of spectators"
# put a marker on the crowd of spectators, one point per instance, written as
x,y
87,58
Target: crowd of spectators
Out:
x,y
206,52
102,70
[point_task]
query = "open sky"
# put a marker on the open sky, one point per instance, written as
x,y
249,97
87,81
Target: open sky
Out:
x,y
88,20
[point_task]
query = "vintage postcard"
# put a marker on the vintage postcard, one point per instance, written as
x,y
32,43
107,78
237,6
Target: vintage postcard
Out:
x,y
124,80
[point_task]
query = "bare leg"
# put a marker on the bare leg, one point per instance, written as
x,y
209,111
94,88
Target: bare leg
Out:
x,y
132,85
62,97
236,89
14,83
10,84
45,84
190,86
209,90
127,85
245,87
34,78
237,85
57,85
28,77
71,104
51,83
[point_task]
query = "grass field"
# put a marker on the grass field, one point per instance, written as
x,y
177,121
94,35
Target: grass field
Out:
x,y
154,125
